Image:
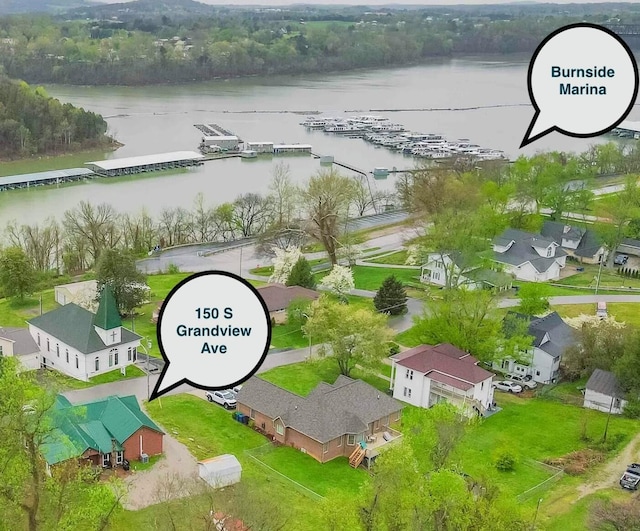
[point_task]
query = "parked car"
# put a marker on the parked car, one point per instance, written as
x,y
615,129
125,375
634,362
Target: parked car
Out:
x,y
235,390
620,259
510,387
225,398
523,381
631,477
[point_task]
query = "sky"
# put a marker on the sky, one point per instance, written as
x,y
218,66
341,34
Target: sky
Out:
x,y
395,2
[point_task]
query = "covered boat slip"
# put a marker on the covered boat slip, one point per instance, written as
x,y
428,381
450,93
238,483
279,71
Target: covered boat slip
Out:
x,y
146,163
42,178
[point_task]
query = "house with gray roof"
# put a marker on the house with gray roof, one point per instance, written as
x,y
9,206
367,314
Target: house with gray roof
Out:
x,y
581,243
529,256
603,392
17,341
550,337
332,421
81,344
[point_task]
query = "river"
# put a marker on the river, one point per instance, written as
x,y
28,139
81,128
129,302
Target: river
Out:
x,y
150,120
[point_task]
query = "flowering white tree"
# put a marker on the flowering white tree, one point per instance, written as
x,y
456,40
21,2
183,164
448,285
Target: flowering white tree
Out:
x,y
414,255
283,263
87,299
339,281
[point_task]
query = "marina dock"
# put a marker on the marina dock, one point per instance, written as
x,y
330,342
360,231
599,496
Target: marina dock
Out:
x,y
146,163
43,178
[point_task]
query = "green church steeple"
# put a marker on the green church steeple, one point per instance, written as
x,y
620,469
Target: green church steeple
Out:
x,y
107,317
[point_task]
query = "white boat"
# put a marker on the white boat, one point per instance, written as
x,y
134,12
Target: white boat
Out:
x,y
313,122
367,119
389,127
342,127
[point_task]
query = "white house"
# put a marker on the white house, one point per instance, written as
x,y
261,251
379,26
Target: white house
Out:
x,y
603,392
19,343
82,344
581,243
551,337
77,292
529,256
425,375
440,266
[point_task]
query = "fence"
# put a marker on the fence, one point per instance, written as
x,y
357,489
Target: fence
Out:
x,y
255,453
543,486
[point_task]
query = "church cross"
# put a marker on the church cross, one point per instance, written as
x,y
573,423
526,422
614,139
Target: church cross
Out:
x,y
113,336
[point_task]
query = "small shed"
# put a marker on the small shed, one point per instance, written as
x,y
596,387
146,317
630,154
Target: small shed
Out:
x,y
220,471
603,392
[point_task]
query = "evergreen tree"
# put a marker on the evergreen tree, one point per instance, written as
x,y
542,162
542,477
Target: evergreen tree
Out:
x,y
301,275
118,268
391,297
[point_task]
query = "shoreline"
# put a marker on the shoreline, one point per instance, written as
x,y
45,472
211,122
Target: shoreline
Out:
x,y
111,146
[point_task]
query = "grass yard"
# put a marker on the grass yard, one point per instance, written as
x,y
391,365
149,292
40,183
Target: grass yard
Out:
x,y
409,338
288,336
371,278
537,429
321,478
114,376
301,378
15,312
608,279
62,382
626,312
397,258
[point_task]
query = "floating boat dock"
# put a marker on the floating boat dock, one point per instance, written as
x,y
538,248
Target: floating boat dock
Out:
x,y
213,130
146,163
28,180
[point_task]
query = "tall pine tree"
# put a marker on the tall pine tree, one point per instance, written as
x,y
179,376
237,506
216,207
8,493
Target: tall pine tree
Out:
x,y
391,298
301,275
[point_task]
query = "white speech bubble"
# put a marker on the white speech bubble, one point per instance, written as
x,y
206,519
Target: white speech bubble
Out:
x,y
583,81
214,331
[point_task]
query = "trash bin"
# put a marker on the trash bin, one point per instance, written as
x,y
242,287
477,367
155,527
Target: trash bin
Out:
x,y
126,465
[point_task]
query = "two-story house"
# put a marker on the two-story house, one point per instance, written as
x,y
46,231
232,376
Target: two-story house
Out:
x,y
551,337
426,374
447,269
582,244
529,256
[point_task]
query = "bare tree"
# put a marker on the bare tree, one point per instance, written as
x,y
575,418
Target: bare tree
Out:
x,y
38,242
174,226
203,227
326,199
224,221
283,195
96,225
252,214
139,232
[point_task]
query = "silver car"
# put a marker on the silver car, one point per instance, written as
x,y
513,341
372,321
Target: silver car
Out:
x,y
522,381
510,387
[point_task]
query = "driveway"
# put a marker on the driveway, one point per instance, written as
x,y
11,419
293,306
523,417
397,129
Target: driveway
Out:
x,y
174,476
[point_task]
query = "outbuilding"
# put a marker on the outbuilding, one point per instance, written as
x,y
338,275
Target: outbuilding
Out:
x,y
220,471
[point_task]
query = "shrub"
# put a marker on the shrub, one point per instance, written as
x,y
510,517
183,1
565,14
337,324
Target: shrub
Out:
x,y
632,409
394,348
173,269
505,459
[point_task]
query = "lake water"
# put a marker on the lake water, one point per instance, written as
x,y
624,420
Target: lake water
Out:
x,y
150,120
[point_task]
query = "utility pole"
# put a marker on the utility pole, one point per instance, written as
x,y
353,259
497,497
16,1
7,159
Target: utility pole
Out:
x,y
606,426
535,517
599,273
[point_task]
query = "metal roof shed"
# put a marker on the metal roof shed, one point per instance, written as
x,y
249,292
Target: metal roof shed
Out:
x,y
220,471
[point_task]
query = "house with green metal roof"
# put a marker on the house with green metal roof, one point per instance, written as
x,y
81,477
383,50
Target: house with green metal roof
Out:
x,y
82,344
103,432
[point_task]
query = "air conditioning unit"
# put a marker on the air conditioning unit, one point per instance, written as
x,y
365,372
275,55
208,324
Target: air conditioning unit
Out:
x,y
144,458
303,450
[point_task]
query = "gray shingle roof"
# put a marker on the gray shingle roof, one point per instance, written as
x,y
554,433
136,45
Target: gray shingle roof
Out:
x,y
73,325
278,296
561,335
604,382
589,244
23,343
522,250
328,411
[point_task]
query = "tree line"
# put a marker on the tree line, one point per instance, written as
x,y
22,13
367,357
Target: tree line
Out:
x,y
145,50
32,122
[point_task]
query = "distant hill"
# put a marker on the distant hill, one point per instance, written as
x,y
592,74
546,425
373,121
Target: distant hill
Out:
x,y
144,9
8,7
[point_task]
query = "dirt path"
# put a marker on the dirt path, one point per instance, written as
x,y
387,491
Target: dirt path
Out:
x,y
610,474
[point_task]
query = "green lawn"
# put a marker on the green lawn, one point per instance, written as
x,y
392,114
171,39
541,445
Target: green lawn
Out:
x,y
289,336
626,312
371,278
56,380
399,258
113,376
409,338
537,429
608,279
15,312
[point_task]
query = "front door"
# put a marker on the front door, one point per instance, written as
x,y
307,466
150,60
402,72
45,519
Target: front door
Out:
x,y
106,460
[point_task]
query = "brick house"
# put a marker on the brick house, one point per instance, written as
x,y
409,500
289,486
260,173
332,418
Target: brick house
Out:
x,y
331,421
103,432
277,297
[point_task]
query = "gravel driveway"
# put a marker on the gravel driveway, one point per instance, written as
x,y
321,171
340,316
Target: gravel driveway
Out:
x,y
173,476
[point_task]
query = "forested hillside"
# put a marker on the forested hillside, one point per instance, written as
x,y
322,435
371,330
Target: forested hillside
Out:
x,y
31,122
190,41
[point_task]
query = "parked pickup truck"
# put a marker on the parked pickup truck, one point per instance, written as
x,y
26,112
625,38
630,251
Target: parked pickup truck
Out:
x,y
631,478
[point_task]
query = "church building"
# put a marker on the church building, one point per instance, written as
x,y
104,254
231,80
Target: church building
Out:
x,y
82,344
